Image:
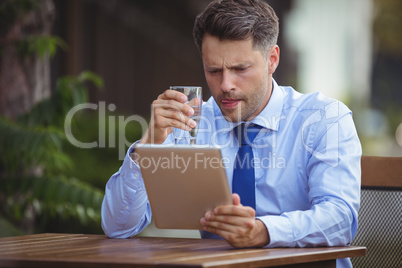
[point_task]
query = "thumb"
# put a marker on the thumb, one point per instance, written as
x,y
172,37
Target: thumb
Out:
x,y
236,199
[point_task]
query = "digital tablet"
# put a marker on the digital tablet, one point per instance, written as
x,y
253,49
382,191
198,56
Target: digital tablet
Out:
x,y
182,183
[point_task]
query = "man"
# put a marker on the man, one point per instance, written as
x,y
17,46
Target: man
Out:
x,y
306,152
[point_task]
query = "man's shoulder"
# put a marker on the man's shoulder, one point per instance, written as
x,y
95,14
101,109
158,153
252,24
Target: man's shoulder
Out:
x,y
315,101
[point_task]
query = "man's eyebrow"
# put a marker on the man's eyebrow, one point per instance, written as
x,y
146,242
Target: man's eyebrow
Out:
x,y
237,65
213,67
232,66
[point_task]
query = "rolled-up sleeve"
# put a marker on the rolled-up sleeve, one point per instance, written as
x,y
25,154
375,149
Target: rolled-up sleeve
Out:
x,y
125,208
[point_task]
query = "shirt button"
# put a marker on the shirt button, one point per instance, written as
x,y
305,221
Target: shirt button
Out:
x,y
126,207
136,174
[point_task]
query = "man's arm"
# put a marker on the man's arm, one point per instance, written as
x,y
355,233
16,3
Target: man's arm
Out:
x,y
334,176
125,208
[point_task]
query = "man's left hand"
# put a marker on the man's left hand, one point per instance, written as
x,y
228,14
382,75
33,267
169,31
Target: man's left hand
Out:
x,y
237,225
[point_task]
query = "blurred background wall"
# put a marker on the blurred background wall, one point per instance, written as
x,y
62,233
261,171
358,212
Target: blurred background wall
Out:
x,y
350,50
139,47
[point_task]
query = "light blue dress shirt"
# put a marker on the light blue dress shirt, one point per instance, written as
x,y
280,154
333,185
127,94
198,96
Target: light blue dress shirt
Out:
x,y
307,168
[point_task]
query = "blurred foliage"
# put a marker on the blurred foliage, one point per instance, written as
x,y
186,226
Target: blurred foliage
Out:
x,y
46,183
70,91
387,26
39,189
26,146
98,164
11,10
386,95
44,200
35,190
40,45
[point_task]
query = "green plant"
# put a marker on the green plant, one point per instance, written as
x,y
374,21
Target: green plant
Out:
x,y
11,10
40,45
34,192
96,165
38,187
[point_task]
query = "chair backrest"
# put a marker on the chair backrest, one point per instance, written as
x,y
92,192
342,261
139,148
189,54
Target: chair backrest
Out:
x,y
380,214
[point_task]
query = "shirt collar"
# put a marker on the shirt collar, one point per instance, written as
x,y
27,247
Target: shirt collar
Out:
x,y
271,114
268,118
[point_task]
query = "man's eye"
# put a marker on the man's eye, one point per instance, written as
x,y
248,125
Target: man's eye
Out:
x,y
213,71
241,69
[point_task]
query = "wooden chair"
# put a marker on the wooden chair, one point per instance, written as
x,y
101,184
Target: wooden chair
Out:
x,y
380,215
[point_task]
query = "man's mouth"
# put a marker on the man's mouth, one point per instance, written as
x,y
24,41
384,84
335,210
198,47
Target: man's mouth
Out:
x,y
230,103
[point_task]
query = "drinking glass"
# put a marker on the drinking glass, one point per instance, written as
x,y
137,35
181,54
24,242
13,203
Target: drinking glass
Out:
x,y
194,99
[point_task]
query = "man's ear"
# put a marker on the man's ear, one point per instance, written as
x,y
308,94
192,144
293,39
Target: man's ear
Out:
x,y
273,59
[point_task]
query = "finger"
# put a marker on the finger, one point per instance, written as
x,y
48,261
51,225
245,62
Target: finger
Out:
x,y
220,232
220,221
174,118
173,94
231,237
172,104
195,102
164,123
215,226
233,210
236,199
231,233
169,123
234,234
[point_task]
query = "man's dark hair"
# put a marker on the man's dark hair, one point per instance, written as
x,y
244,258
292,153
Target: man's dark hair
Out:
x,y
238,20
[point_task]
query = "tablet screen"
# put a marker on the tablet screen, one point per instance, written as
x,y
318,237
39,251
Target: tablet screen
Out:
x,y
182,183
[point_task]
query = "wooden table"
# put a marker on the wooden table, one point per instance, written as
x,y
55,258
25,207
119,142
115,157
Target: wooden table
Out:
x,y
77,250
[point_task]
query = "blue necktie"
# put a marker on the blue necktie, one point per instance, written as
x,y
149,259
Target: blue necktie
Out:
x,y
243,175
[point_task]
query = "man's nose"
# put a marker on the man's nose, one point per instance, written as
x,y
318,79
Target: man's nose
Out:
x,y
227,83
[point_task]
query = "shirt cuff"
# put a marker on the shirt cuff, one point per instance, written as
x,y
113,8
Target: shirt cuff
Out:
x,y
280,231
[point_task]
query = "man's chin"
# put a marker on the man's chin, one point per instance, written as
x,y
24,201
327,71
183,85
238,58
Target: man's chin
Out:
x,y
232,116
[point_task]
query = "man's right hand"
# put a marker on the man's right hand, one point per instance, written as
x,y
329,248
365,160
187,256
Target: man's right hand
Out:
x,y
168,110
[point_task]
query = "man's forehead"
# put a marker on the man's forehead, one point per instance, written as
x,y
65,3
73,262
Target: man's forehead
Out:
x,y
215,41
233,52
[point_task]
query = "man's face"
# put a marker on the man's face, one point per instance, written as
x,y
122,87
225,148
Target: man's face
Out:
x,y
239,76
